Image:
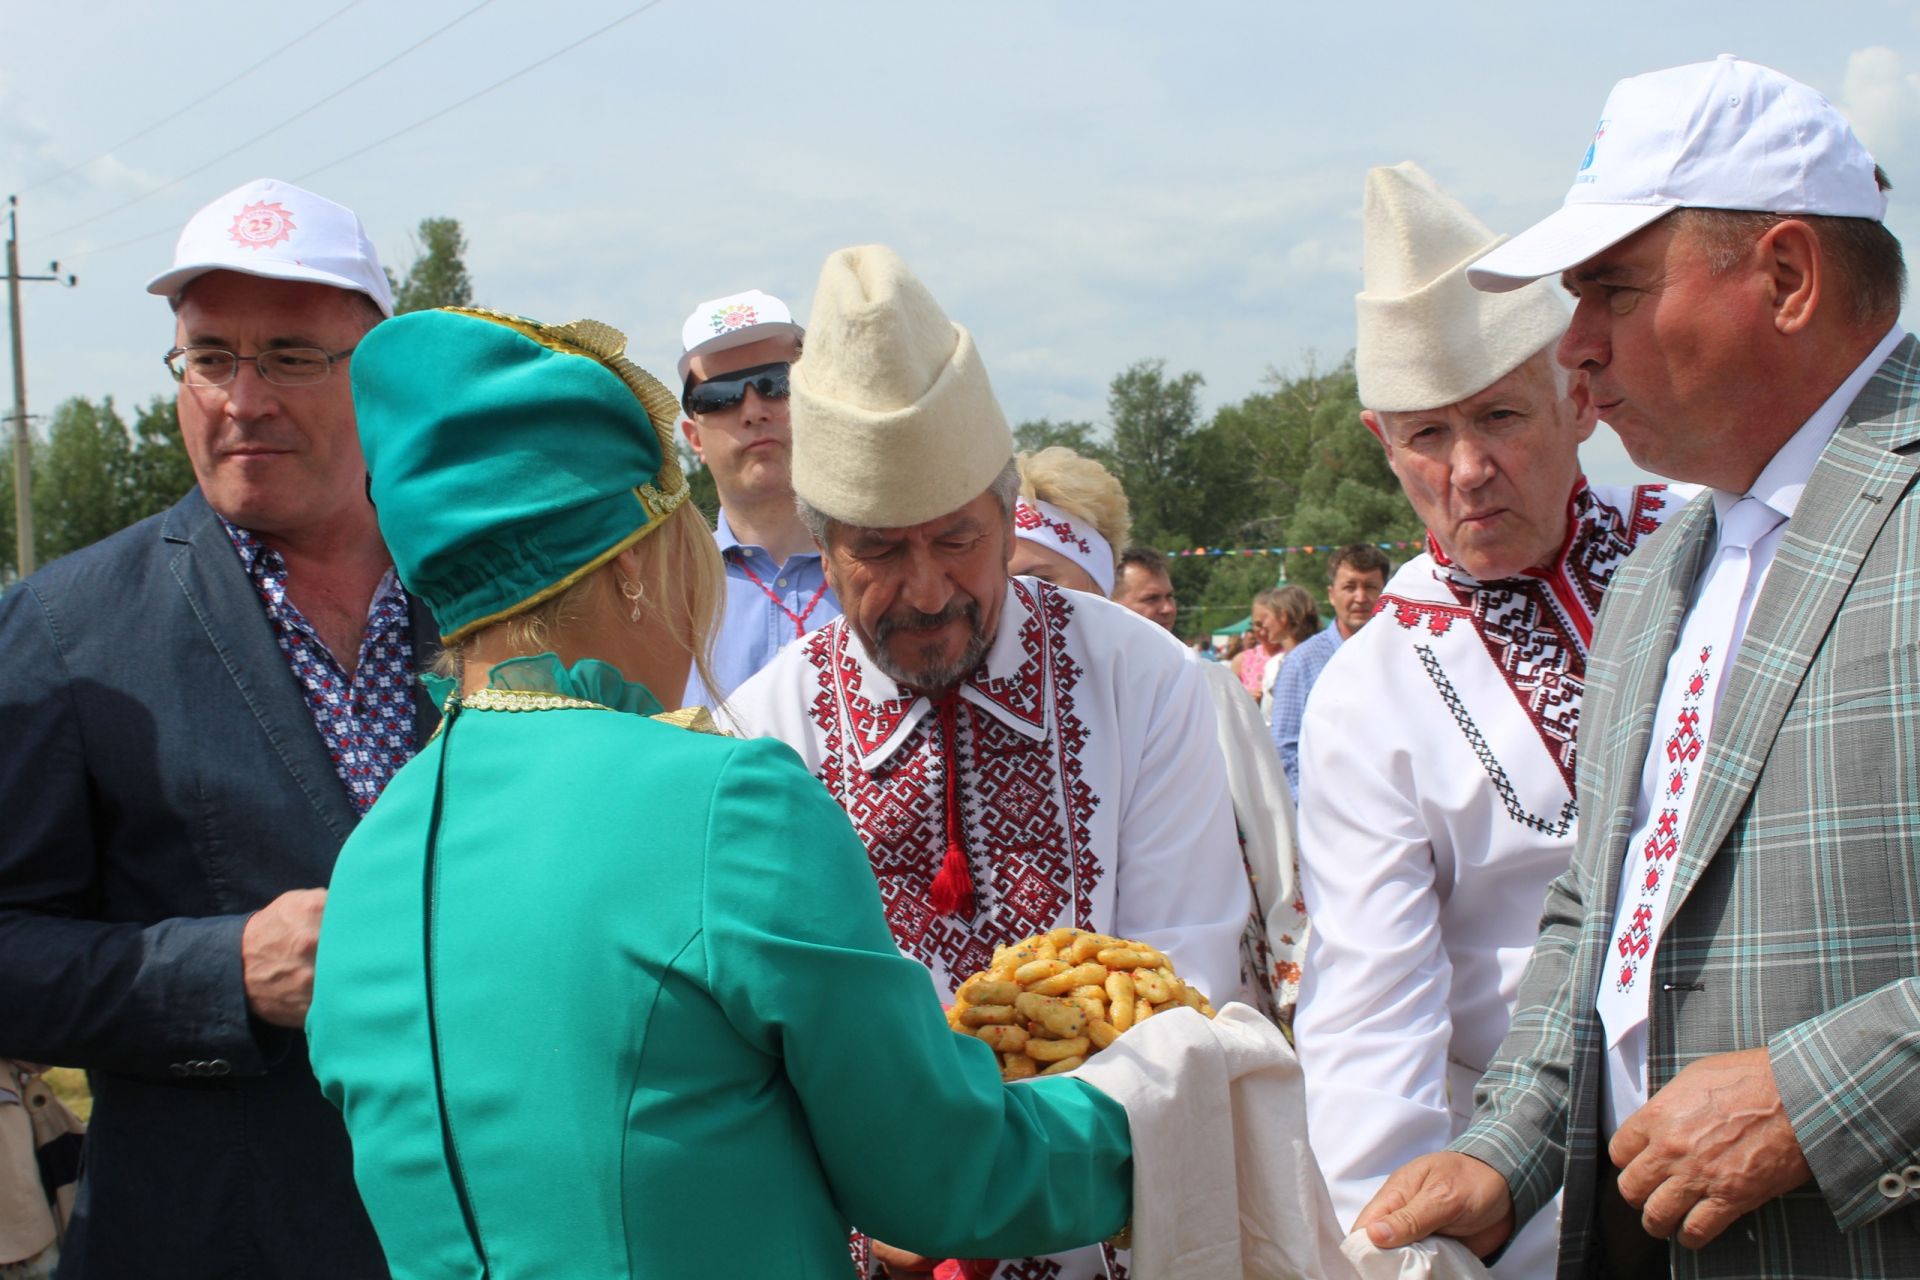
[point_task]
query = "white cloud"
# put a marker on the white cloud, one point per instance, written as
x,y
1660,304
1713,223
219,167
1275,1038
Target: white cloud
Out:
x,y
1882,98
25,143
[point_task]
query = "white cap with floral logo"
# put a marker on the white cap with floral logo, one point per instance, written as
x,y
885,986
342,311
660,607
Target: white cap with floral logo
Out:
x,y
734,321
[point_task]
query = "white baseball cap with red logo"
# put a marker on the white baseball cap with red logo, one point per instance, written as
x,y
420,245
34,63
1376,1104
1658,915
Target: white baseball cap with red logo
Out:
x,y
1726,134
277,230
734,321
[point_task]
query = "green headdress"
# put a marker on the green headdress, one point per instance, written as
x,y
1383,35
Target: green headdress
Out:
x,y
507,459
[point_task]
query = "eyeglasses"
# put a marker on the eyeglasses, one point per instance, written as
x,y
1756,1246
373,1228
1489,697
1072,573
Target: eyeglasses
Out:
x,y
715,395
282,366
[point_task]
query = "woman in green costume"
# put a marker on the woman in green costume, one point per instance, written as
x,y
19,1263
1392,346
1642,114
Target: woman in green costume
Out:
x,y
601,995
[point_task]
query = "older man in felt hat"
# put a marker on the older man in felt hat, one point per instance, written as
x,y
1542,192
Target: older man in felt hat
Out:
x,y
736,358
1015,756
198,710
1714,1047
1427,841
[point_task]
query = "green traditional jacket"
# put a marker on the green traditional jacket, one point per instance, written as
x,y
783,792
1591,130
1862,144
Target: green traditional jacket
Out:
x,y
634,1011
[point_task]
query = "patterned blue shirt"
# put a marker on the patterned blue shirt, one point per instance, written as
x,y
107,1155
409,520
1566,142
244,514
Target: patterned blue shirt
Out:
x,y
768,605
1290,689
367,721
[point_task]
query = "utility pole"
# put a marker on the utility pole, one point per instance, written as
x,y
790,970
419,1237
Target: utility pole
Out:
x,y
22,441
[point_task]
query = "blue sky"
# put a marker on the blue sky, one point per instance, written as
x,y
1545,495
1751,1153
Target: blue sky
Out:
x,y
1082,185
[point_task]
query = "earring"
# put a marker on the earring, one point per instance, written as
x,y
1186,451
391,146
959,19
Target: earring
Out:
x,y
635,597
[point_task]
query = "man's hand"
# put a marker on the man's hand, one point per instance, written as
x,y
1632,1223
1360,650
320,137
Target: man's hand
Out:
x,y
1445,1194
1711,1146
276,956
899,1262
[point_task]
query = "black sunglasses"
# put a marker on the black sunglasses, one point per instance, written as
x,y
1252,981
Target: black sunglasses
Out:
x,y
715,395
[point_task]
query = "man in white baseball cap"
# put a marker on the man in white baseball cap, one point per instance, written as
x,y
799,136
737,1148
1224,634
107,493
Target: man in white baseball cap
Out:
x,y
1713,1046
276,231
736,358
199,709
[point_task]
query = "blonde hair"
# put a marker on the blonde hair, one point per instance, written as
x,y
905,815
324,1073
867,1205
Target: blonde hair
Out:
x,y
680,586
1297,611
1080,487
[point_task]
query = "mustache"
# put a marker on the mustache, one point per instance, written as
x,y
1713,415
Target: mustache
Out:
x,y
914,620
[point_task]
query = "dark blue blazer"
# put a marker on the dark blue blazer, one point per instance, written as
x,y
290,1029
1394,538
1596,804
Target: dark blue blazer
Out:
x,y
160,779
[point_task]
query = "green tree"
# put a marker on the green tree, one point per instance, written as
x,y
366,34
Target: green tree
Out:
x,y
1081,437
9,559
159,471
93,476
1299,469
437,276
1345,492
1154,418
80,496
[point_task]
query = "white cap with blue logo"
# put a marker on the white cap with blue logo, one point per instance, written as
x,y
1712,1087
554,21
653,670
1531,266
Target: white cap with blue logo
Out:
x,y
1726,134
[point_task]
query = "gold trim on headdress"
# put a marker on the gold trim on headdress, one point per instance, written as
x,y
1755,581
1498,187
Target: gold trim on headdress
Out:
x,y
601,341
659,497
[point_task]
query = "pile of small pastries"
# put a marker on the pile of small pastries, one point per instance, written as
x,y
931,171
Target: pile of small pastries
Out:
x,y
1048,1003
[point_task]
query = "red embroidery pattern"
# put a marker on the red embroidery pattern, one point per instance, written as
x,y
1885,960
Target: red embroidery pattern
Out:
x,y
1029,517
1683,748
1537,629
1437,618
1604,537
1541,657
1026,810
1089,1264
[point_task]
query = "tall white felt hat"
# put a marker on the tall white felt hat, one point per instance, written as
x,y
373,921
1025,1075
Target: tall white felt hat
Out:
x,y
282,232
733,321
1726,134
1426,337
894,421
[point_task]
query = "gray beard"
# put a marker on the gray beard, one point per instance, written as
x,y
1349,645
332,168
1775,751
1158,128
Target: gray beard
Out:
x,y
932,675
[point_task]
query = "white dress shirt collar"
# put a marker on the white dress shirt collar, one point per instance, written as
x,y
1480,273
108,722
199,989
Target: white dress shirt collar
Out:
x,y
1784,478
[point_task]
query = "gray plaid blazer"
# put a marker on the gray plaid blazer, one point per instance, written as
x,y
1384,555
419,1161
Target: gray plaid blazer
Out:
x,y
1794,920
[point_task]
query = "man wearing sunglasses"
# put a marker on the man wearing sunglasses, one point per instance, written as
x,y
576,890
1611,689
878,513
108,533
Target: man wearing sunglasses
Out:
x,y
197,711
736,353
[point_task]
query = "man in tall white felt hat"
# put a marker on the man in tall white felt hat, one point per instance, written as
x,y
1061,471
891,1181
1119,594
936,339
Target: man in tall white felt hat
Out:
x,y
1428,837
198,710
736,361
1714,1048
1016,757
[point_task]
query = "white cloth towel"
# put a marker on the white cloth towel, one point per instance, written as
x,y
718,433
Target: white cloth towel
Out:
x,y
1223,1181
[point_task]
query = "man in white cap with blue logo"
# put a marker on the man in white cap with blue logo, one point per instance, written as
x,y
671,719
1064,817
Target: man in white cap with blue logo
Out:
x,y
736,356
198,710
1714,1045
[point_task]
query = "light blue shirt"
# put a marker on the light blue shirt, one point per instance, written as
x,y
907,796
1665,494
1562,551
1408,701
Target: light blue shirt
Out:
x,y
1290,689
760,619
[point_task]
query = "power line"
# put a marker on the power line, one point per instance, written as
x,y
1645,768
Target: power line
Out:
x,y
143,237
170,228
165,120
534,66
351,84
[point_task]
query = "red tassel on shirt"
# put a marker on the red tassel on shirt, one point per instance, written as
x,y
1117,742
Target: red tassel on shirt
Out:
x,y
952,889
